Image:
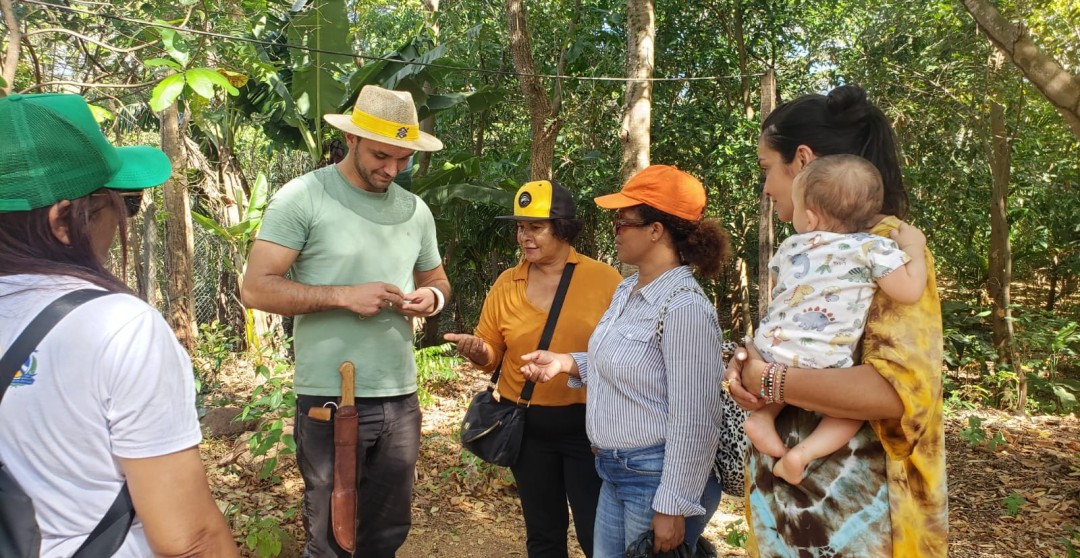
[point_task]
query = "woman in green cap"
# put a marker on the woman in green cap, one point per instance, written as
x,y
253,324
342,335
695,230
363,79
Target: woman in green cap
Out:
x,y
100,417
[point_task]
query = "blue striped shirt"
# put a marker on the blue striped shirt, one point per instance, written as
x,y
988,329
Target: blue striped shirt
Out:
x,y
644,393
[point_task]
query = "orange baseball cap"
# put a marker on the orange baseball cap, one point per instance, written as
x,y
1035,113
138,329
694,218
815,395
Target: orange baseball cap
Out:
x,y
661,187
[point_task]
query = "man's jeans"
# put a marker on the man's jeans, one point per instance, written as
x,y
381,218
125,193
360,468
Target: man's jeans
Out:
x,y
386,457
631,478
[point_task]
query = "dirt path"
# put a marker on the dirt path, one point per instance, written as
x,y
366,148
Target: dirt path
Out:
x,y
466,508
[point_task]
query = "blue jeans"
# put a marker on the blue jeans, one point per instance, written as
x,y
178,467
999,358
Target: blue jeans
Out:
x,y
631,478
710,500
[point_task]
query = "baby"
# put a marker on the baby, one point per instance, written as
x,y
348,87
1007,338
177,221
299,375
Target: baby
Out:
x,y
826,276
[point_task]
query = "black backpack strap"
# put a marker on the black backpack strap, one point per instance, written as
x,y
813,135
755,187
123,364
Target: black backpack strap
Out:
x,y
553,318
41,325
109,534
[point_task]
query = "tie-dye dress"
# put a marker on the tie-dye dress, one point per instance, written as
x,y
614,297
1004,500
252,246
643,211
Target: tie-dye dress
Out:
x,y
890,479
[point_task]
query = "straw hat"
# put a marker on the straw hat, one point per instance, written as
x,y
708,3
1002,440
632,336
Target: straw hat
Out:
x,y
385,116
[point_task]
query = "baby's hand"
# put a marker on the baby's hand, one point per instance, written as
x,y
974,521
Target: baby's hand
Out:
x,y
909,238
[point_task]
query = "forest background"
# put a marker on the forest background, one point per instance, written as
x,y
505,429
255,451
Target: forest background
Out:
x,y
985,98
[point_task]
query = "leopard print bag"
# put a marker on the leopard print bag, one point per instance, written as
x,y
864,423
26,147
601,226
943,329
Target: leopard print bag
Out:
x,y
729,466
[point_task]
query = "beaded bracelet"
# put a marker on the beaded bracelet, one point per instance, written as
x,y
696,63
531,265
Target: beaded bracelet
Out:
x,y
780,384
772,382
765,379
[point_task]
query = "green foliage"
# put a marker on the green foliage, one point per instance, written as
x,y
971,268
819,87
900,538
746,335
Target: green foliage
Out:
x,y
975,434
736,535
1071,541
1047,343
1012,503
274,402
204,82
261,533
435,368
214,345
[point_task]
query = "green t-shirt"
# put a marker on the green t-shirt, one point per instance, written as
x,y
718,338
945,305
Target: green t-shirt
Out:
x,y
348,236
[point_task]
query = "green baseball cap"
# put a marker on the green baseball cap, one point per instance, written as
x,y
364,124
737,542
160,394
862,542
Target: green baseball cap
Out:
x,y
53,150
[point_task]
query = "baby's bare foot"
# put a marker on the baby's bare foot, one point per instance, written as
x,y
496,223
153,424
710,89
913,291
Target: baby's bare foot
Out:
x,y
761,429
792,466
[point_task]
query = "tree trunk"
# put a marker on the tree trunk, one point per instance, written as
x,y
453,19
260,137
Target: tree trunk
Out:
x,y
1051,296
543,114
146,267
766,231
1000,258
11,57
431,7
179,238
744,79
636,122
1057,84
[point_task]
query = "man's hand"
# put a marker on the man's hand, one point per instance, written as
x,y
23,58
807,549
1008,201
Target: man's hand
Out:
x,y
470,347
419,303
368,299
668,532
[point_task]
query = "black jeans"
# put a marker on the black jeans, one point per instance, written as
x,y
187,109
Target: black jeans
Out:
x,y
386,456
556,465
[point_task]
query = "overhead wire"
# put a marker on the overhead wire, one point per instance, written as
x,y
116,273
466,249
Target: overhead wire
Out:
x,y
252,40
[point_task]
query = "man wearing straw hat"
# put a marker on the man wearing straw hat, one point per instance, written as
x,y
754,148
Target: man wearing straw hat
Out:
x,y
361,257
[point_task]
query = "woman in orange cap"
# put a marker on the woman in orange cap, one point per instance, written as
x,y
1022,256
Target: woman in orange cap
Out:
x,y
653,410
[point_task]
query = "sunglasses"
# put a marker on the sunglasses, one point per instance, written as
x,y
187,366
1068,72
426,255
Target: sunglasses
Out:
x,y
617,224
132,200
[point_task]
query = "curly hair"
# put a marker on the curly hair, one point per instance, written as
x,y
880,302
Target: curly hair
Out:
x,y
703,245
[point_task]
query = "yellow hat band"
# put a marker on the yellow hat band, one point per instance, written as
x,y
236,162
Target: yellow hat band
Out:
x,y
385,128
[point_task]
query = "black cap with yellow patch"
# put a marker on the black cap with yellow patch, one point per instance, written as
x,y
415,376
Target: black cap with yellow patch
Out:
x,y
542,200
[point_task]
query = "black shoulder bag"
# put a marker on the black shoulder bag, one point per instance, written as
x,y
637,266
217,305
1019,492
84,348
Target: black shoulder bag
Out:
x,y
19,533
492,430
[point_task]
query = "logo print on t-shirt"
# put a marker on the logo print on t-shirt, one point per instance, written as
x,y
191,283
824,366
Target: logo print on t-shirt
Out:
x,y
26,373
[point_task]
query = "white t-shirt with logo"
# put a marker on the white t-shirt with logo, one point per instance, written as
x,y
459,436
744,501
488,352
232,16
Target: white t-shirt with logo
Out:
x,y
108,381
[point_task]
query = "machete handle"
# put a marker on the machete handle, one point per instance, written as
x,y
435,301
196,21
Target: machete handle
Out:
x,y
348,384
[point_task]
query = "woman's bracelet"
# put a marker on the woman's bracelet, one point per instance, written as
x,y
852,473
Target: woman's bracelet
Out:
x,y
780,383
772,382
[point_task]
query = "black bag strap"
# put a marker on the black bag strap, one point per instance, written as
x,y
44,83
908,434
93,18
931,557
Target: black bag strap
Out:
x,y
549,330
121,513
40,326
109,534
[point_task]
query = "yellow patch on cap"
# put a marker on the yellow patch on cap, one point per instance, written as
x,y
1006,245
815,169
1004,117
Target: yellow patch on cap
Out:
x,y
534,200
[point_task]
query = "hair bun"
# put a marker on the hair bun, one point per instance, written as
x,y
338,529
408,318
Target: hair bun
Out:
x,y
847,104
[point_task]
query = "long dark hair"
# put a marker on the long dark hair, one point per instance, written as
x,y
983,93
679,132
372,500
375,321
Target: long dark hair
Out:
x,y
703,245
841,122
28,245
